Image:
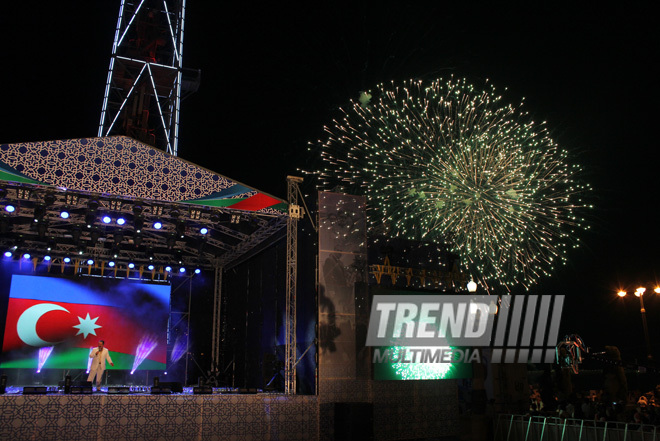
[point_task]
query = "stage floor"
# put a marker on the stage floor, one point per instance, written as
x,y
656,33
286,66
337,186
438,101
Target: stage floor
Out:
x,y
139,415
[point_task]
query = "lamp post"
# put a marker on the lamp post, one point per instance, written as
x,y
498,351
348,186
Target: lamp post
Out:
x,y
639,292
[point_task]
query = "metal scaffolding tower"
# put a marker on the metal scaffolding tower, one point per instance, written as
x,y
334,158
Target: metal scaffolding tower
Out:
x,y
291,353
146,78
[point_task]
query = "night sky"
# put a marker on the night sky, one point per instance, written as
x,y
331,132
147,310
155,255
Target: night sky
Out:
x,y
272,76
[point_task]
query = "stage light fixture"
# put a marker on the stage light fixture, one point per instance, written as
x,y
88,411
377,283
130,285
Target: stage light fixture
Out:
x,y
158,225
64,214
198,271
182,270
47,258
49,198
121,221
195,214
106,219
150,267
23,193
181,228
204,230
111,264
42,227
115,251
71,199
90,262
26,256
167,268
67,260
8,253
51,244
39,212
138,224
89,219
9,208
131,265
94,236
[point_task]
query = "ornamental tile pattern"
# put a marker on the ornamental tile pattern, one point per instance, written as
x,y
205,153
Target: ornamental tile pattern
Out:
x,y
144,417
116,165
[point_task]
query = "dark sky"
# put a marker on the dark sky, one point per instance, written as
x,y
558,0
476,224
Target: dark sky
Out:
x,y
272,76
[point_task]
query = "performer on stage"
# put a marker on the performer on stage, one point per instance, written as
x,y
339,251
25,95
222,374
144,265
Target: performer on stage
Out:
x,y
99,355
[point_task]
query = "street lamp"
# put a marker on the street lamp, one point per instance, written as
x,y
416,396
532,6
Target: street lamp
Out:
x,y
639,292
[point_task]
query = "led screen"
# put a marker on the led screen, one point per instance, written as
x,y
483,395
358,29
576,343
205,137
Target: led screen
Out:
x,y
421,363
55,322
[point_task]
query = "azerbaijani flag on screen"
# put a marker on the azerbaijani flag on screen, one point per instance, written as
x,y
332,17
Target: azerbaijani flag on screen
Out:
x,y
72,315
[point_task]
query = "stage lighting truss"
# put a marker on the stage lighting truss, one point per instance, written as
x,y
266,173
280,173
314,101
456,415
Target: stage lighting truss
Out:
x,y
206,237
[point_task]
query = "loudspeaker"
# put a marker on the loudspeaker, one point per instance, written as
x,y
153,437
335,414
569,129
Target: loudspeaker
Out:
x,y
119,390
34,390
199,390
81,390
175,386
160,390
3,383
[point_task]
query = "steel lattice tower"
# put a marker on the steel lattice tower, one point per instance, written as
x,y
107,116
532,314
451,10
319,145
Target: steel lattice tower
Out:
x,y
291,346
146,79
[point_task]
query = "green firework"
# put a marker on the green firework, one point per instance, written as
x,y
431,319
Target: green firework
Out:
x,y
448,163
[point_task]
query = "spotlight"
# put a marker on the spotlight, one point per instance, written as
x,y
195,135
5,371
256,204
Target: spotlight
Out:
x,y
138,223
64,214
111,264
182,270
89,219
181,228
167,268
121,221
197,270
151,267
67,260
90,262
49,198
39,212
106,219
26,256
204,230
158,225
47,258
10,208
131,265
8,253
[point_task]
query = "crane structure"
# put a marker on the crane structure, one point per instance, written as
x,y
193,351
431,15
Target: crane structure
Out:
x,y
146,79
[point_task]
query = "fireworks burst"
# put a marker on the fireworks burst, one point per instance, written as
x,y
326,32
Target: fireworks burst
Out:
x,y
447,163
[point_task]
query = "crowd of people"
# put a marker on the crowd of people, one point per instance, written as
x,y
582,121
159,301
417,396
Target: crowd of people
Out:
x,y
638,408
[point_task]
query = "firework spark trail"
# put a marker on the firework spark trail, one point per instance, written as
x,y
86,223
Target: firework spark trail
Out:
x,y
446,162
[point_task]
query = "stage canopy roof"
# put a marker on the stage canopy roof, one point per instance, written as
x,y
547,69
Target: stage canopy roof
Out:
x,y
101,180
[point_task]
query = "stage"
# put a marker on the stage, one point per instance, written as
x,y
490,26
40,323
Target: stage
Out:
x,y
142,416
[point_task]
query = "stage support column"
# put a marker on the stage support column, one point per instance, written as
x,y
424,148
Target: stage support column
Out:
x,y
291,353
217,317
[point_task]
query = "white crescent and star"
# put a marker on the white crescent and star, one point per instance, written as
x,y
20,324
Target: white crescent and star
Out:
x,y
26,326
